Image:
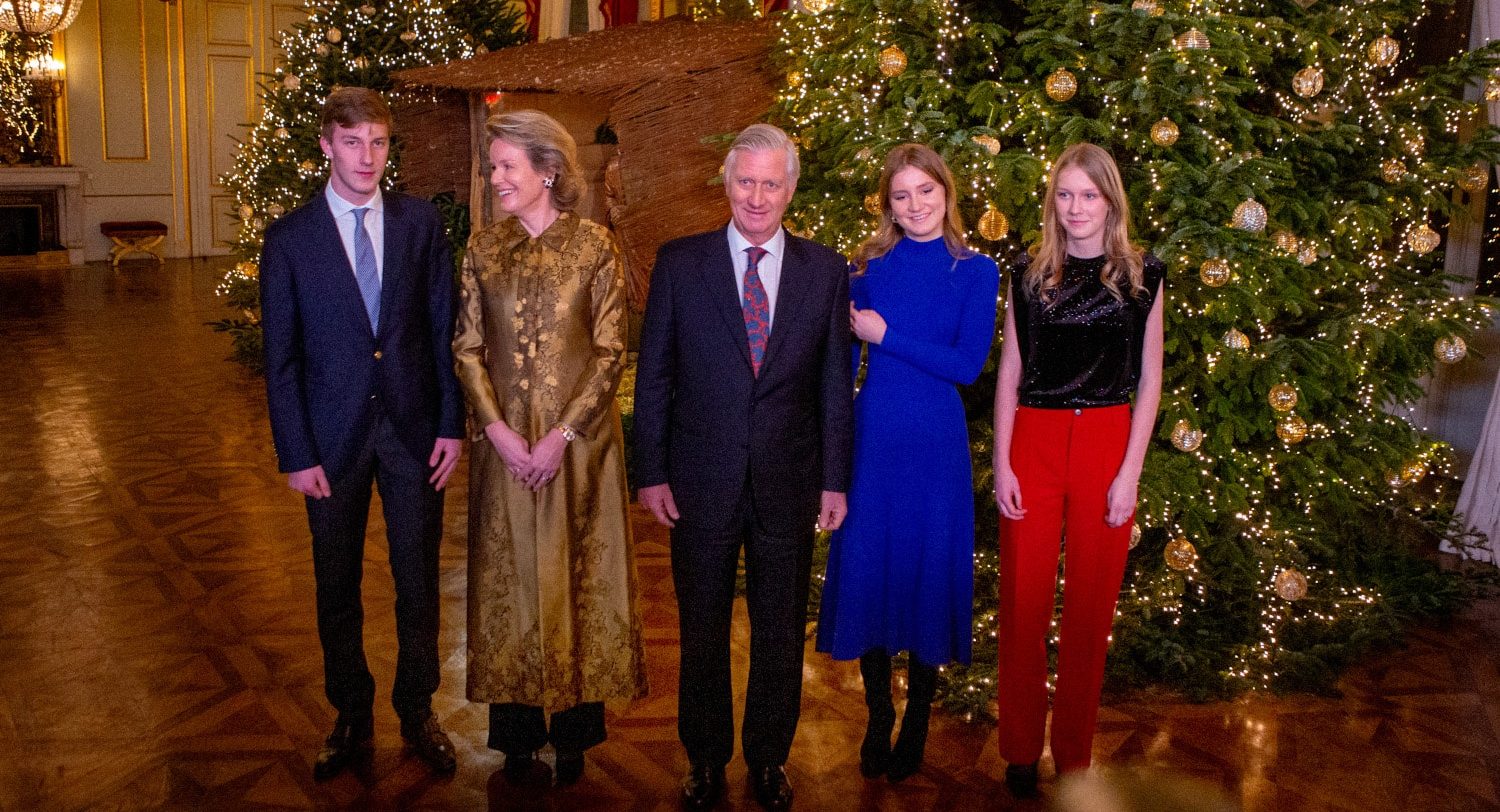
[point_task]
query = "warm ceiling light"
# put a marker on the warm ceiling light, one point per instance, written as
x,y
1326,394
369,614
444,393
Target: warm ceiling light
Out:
x,y
37,16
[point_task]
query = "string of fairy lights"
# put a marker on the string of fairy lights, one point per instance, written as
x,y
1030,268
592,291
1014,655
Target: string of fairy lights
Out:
x,y
1317,291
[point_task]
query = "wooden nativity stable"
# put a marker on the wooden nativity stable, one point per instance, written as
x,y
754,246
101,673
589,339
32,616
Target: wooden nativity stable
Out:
x,y
665,89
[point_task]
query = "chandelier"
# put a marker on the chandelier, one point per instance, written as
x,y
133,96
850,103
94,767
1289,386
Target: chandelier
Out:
x,y
37,16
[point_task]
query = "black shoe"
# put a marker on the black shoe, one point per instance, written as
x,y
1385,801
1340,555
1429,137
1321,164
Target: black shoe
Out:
x,y
569,768
518,766
427,739
772,790
875,750
350,738
702,787
1020,779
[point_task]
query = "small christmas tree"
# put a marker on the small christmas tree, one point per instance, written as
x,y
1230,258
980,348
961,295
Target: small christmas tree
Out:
x,y
340,43
1295,175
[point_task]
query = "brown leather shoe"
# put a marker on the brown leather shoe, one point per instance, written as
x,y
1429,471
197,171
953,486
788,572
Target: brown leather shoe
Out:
x,y
702,787
772,790
427,739
350,738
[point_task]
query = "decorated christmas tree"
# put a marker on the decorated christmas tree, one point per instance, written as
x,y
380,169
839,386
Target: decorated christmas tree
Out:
x,y
20,109
1295,171
340,43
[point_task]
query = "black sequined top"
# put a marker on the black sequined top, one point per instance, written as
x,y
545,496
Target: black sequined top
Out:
x,y
1084,348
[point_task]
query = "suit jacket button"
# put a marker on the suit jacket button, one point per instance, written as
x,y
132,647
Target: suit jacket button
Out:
x,y
377,355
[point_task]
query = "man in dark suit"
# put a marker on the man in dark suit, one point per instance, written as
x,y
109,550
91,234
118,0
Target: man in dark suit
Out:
x,y
743,435
357,308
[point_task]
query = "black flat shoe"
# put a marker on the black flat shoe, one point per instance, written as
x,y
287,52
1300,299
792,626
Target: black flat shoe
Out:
x,y
1020,779
772,790
569,768
702,787
428,741
350,738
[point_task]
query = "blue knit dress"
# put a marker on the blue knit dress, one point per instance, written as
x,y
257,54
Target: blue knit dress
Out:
x,y
901,569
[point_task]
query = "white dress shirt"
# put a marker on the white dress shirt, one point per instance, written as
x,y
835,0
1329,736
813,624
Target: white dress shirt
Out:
x,y
343,217
769,267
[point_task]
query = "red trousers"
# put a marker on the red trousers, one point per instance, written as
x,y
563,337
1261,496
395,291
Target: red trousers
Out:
x,y
1065,460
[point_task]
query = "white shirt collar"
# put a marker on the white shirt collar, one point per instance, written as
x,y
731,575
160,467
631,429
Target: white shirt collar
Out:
x,y
776,246
339,206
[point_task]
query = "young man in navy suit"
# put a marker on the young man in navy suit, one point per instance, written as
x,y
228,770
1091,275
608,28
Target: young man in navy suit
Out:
x,y
357,309
743,439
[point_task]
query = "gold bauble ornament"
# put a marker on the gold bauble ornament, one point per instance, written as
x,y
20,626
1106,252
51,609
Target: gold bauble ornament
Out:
x,y
1282,397
258,223
245,211
1450,349
1061,85
333,35
1185,437
1474,178
872,203
360,62
1192,40
1135,535
1285,241
1214,272
367,10
322,49
1412,140
1148,6
291,81
1422,239
1384,51
794,79
1235,340
282,132
1492,88
993,224
1291,428
864,155
1308,82
1413,472
1164,132
990,143
1308,254
892,61
275,210
307,165
1392,170
1180,554
1249,216
1290,584
408,37
816,6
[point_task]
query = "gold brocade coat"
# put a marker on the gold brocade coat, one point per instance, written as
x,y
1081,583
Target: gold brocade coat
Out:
x,y
540,340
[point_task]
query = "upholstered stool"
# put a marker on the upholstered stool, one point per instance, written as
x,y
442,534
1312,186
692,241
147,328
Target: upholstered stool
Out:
x,y
134,237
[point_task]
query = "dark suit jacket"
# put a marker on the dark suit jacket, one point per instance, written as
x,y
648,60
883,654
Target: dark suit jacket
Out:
x,y
326,372
705,424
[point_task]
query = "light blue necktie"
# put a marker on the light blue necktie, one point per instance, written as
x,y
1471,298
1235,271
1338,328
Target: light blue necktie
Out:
x,y
365,271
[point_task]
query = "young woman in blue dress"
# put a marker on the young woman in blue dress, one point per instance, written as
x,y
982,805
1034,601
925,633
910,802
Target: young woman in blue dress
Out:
x,y
1076,400
901,569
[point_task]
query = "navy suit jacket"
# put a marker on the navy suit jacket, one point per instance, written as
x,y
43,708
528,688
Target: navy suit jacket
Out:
x,y
705,424
326,371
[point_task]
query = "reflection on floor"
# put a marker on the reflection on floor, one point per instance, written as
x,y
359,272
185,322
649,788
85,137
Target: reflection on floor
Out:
x,y
158,650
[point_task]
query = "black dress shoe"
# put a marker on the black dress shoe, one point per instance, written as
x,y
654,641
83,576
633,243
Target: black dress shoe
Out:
x,y
569,768
772,790
702,787
427,739
1020,779
350,738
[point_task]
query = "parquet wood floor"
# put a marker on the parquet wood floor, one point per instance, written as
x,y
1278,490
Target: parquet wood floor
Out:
x,y
158,649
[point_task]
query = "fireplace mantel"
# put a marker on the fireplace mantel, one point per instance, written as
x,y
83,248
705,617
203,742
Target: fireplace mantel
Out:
x,y
68,181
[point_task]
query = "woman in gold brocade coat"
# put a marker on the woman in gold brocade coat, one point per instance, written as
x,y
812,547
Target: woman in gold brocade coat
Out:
x,y
540,343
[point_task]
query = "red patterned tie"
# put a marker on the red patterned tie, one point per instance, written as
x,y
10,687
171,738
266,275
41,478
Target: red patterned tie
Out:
x,y
757,309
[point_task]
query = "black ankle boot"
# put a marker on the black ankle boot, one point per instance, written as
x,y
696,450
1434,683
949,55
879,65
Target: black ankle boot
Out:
x,y
875,750
906,758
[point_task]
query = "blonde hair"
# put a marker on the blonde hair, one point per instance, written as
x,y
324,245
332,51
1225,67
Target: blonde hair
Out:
x,y
928,162
1125,261
549,147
